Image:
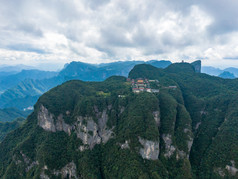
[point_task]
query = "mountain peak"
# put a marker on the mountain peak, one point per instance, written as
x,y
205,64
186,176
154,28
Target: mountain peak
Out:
x,y
197,66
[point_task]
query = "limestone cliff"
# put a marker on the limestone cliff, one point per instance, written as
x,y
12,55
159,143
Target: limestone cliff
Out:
x,y
89,131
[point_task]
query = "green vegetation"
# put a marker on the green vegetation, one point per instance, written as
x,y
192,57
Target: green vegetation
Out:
x,y
7,127
10,114
194,126
23,89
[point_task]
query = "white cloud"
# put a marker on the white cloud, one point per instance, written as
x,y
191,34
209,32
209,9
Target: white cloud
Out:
x,y
34,32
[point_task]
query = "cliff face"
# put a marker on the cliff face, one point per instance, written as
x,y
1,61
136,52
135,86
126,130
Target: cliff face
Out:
x,y
86,129
197,66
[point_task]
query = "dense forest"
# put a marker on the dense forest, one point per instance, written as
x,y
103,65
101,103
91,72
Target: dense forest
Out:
x,y
104,130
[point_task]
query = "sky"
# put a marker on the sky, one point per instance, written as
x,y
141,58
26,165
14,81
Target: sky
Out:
x,y
55,32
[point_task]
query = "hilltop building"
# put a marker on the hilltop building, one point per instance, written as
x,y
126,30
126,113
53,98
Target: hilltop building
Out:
x,y
143,85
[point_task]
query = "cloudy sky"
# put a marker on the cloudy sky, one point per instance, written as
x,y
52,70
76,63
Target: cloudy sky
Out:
x,y
59,31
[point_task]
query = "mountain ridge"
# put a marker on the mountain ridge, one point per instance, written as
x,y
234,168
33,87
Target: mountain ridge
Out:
x,y
74,70
104,130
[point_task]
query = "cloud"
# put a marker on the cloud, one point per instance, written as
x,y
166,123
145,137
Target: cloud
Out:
x,y
59,31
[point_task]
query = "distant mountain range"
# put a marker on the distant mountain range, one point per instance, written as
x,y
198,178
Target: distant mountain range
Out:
x,y
23,89
218,72
227,75
15,68
9,81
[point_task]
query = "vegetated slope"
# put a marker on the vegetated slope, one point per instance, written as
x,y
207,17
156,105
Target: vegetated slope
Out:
x,y
103,130
9,114
86,130
211,103
7,127
27,92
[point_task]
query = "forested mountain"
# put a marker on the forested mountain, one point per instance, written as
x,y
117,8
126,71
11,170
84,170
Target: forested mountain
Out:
x,y
27,91
6,127
9,81
9,114
103,130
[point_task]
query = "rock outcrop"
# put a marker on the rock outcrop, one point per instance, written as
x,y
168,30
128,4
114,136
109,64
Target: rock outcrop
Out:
x,y
46,119
169,148
197,66
150,149
156,115
232,170
125,145
69,171
89,131
22,159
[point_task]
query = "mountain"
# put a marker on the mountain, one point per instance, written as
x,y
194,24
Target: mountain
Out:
x,y
159,64
211,70
8,127
232,70
3,74
91,72
9,114
197,66
26,92
15,68
216,71
103,130
227,75
12,80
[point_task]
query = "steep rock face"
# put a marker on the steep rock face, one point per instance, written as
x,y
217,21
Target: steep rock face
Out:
x,y
45,119
156,115
87,131
197,66
90,132
232,170
150,149
24,161
169,148
69,171
125,145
